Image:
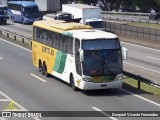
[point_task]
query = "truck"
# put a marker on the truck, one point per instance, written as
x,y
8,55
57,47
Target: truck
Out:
x,y
61,16
90,15
3,18
48,6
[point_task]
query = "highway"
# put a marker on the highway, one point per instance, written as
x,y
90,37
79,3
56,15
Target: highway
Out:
x,y
22,82
142,60
138,18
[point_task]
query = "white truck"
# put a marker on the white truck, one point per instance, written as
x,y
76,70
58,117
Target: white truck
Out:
x,y
90,15
48,6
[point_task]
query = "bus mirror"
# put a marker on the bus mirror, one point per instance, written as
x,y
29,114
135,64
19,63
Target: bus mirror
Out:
x,y
124,53
81,55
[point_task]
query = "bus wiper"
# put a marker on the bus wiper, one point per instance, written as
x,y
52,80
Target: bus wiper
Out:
x,y
107,68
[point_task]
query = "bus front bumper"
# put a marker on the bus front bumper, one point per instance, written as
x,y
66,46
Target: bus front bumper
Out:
x,y
106,85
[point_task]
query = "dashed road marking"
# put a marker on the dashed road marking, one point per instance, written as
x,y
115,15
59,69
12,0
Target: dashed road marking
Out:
x,y
1,58
4,100
38,77
152,58
97,109
142,67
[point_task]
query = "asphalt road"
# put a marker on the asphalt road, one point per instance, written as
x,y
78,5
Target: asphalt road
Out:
x,y
142,61
22,82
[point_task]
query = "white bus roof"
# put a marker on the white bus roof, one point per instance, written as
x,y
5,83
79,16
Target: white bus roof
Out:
x,y
91,34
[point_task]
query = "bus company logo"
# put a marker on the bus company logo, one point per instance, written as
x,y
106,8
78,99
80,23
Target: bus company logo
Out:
x,y
78,82
10,106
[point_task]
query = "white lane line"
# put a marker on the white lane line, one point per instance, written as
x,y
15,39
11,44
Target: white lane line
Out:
x,y
97,109
150,101
1,58
38,77
2,118
153,58
141,46
142,67
4,100
22,108
16,45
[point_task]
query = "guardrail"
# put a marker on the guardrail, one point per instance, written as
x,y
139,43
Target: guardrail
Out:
x,y
140,79
15,35
126,13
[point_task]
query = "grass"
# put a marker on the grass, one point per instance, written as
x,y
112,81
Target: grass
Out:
x,y
148,25
145,87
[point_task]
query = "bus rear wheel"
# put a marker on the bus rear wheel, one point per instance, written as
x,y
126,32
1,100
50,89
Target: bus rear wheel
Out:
x,y
44,70
72,83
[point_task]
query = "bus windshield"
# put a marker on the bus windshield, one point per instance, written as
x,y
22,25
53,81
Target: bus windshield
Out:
x,y
104,61
31,12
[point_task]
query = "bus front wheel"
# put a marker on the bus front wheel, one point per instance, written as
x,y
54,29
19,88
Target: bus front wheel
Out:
x,y
72,83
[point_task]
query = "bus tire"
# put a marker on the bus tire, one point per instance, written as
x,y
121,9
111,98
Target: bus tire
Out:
x,y
12,18
23,22
40,66
5,22
72,83
45,70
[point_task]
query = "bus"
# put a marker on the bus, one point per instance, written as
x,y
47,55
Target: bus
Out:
x,y
25,12
84,57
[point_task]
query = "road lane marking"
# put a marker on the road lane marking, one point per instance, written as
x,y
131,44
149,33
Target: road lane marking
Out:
x,y
141,46
38,77
121,89
150,101
97,109
18,105
4,100
142,67
1,58
153,58
2,118
15,45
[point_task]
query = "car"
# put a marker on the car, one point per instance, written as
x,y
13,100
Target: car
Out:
x,y
154,16
3,18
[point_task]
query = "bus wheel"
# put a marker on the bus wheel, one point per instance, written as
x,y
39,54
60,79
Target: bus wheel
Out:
x,y
12,18
72,83
23,22
40,67
45,71
5,22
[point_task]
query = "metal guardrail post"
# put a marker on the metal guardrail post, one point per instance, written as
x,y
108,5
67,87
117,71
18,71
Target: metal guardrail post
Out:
x,y
22,40
14,37
1,32
139,84
7,34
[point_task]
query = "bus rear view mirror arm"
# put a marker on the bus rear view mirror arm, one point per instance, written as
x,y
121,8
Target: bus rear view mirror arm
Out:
x,y
81,55
124,53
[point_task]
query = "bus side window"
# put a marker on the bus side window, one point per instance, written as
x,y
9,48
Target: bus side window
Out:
x,y
77,56
50,39
70,45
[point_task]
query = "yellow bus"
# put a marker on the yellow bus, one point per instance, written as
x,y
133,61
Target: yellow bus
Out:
x,y
85,58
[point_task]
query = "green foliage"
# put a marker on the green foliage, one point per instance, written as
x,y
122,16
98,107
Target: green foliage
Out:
x,y
144,5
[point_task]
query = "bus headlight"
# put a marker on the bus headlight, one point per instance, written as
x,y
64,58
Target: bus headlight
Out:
x,y
87,79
